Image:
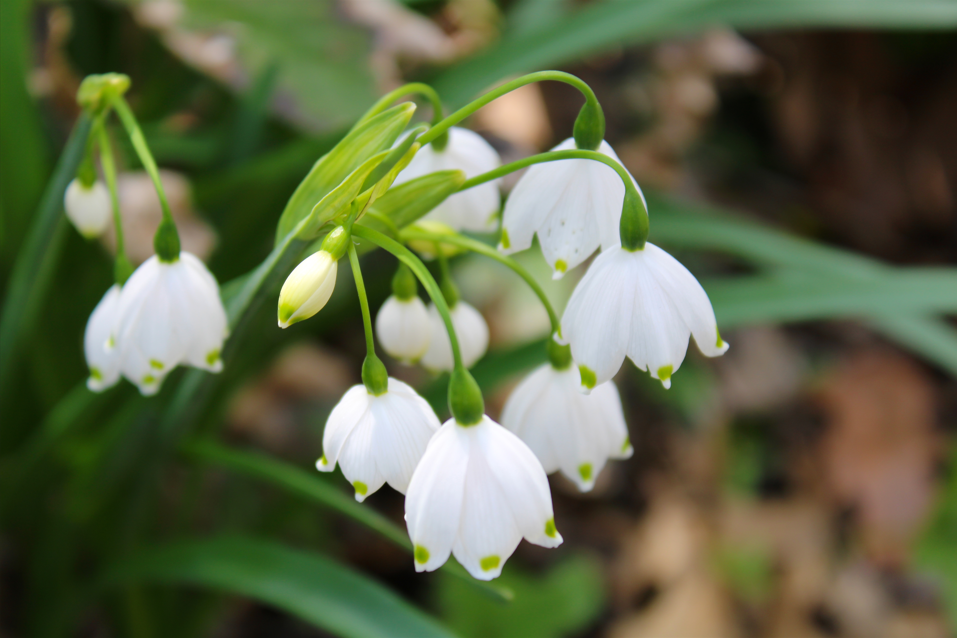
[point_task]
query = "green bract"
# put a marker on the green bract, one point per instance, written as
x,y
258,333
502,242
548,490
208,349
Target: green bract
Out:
x,y
411,200
362,142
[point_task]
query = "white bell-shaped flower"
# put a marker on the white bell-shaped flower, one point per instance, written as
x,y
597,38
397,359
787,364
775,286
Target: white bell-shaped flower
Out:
x,y
377,439
471,330
307,288
476,492
467,151
169,314
567,430
573,205
643,304
102,359
403,328
88,208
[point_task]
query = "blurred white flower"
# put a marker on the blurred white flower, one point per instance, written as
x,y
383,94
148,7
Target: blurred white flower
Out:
x,y
169,314
377,439
307,288
467,151
403,328
89,209
102,360
476,492
471,330
573,205
643,304
567,430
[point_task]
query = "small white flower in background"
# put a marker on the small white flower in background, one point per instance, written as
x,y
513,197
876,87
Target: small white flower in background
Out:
x,y
643,304
89,209
169,314
567,430
103,362
377,439
308,288
403,328
573,205
467,151
472,332
476,492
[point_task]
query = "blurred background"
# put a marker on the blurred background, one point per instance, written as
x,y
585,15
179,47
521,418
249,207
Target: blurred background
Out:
x,y
799,157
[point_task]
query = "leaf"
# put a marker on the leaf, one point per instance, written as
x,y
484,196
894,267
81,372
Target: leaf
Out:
x,y
603,26
409,201
362,142
312,587
934,552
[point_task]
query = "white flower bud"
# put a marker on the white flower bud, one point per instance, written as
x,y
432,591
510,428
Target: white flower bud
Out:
x,y
307,288
403,328
88,208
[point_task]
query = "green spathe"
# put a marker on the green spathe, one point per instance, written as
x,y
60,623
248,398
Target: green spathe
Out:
x,y
366,139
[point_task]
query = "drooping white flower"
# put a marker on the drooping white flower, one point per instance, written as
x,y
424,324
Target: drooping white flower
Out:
x,y
471,330
307,288
169,314
377,439
467,151
88,208
643,304
573,205
403,328
567,430
476,492
103,362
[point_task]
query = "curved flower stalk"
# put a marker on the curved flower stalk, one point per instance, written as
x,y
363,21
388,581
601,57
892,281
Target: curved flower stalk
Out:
x,y
567,430
168,313
472,330
642,304
377,439
87,207
467,151
574,206
476,492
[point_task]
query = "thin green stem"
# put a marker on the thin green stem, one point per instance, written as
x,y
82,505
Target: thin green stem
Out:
x,y
415,264
442,127
363,299
488,251
414,87
123,268
142,150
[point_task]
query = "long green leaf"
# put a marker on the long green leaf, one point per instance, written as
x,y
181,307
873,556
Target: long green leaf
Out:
x,y
312,587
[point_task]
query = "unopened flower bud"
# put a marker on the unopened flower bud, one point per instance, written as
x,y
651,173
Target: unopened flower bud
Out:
x,y
307,288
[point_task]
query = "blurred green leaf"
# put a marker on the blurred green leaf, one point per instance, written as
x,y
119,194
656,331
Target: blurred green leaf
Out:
x,y
934,552
312,587
602,26
562,602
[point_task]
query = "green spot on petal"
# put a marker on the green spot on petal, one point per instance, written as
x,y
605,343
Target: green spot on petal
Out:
x,y
720,342
324,460
589,379
212,357
584,471
626,444
489,563
550,530
561,265
156,365
111,342
664,372
361,488
421,555
506,243
95,374
149,379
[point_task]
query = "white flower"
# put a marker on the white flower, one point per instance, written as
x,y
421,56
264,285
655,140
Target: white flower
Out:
x,y
567,430
403,328
169,314
103,362
476,492
466,151
377,439
307,288
643,304
471,330
573,205
88,208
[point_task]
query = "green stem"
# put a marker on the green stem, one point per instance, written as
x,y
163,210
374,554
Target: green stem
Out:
x,y
123,268
414,87
442,127
363,299
488,251
408,258
142,150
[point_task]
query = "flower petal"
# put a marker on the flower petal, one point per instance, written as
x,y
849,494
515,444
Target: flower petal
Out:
x,y
404,423
403,328
351,408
